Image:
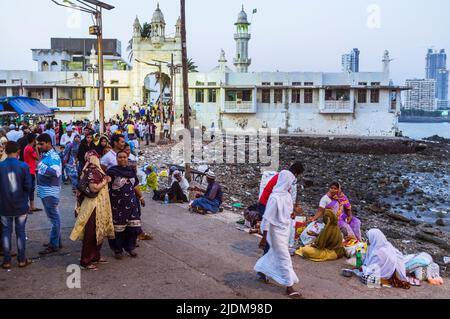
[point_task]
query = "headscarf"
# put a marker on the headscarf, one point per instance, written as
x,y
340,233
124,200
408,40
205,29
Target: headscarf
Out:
x,y
104,227
331,236
280,205
92,162
341,198
383,259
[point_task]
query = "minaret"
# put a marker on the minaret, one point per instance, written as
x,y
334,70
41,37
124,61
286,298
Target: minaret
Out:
x,y
158,26
137,29
222,61
386,63
93,59
178,28
242,37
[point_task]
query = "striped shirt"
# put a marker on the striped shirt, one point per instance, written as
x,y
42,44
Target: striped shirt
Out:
x,y
49,175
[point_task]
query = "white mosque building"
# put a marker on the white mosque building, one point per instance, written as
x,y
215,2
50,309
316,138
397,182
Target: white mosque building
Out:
x,y
316,103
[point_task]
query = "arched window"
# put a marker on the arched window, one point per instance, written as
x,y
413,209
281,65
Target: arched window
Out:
x,y
44,66
54,66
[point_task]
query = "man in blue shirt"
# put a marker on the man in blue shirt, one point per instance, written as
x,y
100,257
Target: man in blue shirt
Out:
x,y
50,131
15,186
49,173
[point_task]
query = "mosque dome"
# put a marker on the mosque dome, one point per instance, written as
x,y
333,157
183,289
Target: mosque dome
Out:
x,y
158,16
242,17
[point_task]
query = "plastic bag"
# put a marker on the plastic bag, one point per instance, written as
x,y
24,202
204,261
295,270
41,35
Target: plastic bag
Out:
x,y
313,228
350,251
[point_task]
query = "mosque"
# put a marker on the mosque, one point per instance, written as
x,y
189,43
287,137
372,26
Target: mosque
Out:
x,y
315,103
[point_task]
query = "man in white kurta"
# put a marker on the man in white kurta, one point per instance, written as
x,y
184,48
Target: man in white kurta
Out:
x,y
277,263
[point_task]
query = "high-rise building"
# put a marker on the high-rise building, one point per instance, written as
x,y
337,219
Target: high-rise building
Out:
x,y
350,62
436,69
421,96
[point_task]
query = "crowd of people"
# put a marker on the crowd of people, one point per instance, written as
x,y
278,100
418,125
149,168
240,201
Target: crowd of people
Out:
x,y
103,173
382,264
102,170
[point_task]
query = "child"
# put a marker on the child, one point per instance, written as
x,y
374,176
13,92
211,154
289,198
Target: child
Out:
x,y
62,155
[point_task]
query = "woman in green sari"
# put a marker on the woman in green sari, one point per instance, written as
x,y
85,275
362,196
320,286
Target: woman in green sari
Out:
x,y
329,244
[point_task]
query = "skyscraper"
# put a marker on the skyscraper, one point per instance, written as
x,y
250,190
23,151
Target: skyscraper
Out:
x,y
421,96
350,62
436,69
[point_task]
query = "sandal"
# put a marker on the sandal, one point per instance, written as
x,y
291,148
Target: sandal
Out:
x,y
103,261
26,263
133,254
263,278
6,266
90,268
145,236
296,295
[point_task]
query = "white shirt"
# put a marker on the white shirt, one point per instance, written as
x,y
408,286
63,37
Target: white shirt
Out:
x,y
325,201
14,136
109,159
166,127
184,184
66,139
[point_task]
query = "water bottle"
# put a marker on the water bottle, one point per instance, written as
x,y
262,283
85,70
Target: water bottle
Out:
x,y
359,262
166,199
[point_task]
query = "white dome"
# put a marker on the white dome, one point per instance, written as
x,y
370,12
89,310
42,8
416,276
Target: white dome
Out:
x,y
158,16
242,17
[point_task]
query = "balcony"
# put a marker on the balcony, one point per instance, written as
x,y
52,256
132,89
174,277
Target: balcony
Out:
x,y
337,107
47,102
238,107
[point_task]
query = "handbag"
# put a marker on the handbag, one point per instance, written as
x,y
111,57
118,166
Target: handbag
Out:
x,y
83,187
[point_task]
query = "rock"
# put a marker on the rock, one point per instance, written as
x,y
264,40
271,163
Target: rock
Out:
x,y
308,182
406,183
432,239
440,222
398,217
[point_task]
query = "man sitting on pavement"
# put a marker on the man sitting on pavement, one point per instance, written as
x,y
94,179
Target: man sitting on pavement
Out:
x,y
213,198
178,191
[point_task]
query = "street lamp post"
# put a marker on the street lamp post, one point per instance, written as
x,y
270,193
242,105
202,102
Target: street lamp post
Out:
x,y
94,8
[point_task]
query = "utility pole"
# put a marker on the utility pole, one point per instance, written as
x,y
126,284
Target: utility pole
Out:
x,y
172,95
94,7
187,120
161,106
101,76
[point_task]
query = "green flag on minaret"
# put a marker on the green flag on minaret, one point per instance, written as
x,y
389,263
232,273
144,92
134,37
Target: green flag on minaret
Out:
x,y
255,11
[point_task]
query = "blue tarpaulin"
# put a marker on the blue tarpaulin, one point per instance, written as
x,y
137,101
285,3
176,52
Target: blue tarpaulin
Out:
x,y
23,105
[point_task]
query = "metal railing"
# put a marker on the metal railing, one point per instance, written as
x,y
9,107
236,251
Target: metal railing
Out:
x,y
48,102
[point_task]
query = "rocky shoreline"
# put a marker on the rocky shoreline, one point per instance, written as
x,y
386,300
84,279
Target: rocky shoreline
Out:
x,y
397,185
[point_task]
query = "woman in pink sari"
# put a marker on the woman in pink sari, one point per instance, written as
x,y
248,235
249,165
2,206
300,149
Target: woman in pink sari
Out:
x,y
338,202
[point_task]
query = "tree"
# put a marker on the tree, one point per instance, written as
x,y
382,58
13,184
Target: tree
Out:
x,y
192,68
146,32
165,80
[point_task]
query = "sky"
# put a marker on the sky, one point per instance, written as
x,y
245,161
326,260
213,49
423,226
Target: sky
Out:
x,y
287,35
